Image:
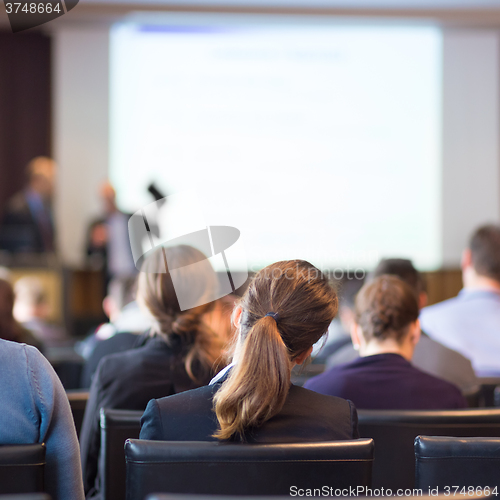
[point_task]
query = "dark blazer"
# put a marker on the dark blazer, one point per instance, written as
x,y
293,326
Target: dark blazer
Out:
x,y
127,381
305,417
21,228
119,342
387,382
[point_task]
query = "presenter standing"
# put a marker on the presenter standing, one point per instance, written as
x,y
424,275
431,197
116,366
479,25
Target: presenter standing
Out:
x,y
108,241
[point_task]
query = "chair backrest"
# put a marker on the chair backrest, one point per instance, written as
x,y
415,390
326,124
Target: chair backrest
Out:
x,y
462,462
22,468
69,370
244,469
488,391
78,401
394,433
116,427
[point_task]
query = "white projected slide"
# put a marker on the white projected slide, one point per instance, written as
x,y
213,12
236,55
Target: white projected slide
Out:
x,y
318,141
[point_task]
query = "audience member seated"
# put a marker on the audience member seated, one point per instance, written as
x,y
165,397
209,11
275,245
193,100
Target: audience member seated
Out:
x,y
10,329
31,309
429,356
179,354
126,323
35,409
386,331
470,322
287,308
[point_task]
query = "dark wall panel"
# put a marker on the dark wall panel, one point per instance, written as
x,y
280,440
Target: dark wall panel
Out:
x,y
25,106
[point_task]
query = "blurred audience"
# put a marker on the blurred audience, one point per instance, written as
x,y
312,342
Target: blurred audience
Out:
x,y
386,330
180,352
36,410
28,224
126,323
470,322
10,329
429,356
31,309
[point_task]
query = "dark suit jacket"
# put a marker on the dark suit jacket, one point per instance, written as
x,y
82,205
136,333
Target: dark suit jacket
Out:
x,y
305,417
429,356
127,381
21,230
387,382
122,341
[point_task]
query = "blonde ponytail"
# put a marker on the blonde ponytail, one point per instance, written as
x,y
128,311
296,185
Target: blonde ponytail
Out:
x,y
286,309
257,386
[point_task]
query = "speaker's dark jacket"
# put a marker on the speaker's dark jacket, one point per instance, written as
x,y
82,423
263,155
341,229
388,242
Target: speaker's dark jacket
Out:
x,y
305,417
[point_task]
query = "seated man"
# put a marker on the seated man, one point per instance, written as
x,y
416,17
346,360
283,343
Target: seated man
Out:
x,y
470,322
429,356
386,331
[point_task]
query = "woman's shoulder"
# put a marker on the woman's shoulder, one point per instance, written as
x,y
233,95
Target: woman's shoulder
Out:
x,y
187,401
134,361
314,400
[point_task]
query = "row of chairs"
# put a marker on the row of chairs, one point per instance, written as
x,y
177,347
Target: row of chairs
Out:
x,y
235,469
393,432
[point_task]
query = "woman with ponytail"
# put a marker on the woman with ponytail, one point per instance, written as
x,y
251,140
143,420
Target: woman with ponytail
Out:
x,y
286,309
181,351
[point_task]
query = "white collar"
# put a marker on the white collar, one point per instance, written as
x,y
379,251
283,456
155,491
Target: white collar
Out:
x,y
221,374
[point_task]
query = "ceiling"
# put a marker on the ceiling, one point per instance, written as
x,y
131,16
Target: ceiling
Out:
x,y
474,13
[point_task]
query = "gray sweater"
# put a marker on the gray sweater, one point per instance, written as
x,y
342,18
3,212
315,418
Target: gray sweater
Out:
x,y
35,409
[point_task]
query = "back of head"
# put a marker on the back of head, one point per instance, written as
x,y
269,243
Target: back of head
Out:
x,y
404,270
485,251
385,308
30,296
41,172
29,290
157,293
9,328
122,290
286,309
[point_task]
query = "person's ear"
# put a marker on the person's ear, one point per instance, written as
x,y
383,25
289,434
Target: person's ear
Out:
x,y
355,335
237,316
422,300
415,332
466,259
303,356
108,306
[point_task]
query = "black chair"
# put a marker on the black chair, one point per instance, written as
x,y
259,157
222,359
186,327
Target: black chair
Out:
x,y
460,462
489,392
78,401
244,469
116,427
69,370
22,468
394,433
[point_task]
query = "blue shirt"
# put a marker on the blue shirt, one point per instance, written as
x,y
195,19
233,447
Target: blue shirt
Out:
x,y
35,409
387,382
469,324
